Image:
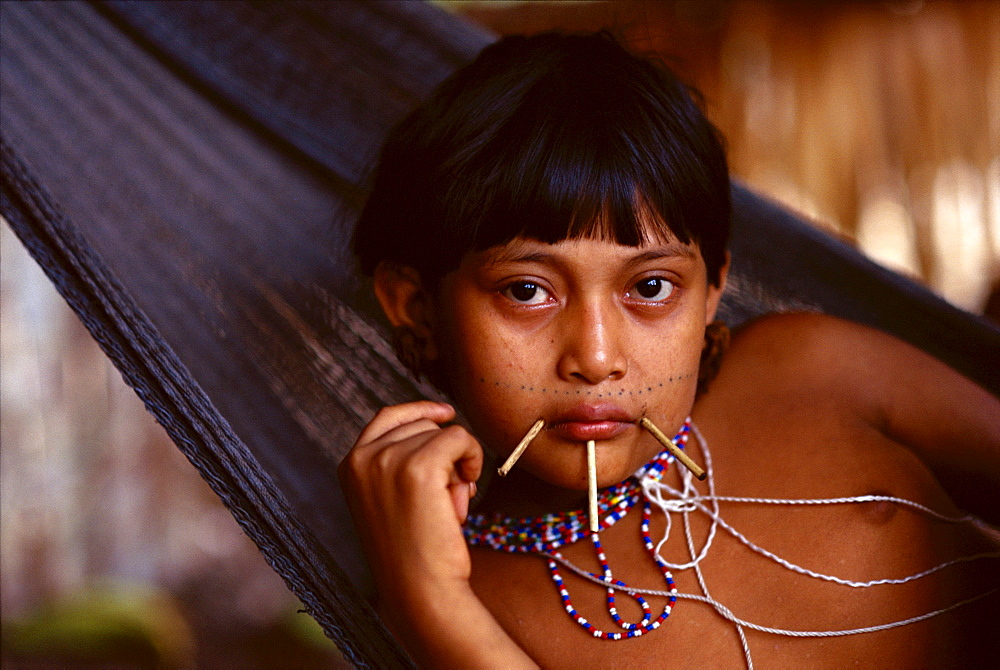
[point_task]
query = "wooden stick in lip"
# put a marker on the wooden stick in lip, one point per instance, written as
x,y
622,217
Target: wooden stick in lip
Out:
x,y
673,448
522,445
595,522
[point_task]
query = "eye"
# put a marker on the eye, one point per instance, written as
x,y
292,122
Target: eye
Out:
x,y
526,293
652,289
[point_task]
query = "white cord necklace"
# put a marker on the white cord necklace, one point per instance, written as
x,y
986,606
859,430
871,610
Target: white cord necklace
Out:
x,y
688,500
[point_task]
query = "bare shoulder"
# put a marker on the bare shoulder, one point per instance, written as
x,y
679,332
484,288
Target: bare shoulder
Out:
x,y
810,340
796,351
826,351
855,372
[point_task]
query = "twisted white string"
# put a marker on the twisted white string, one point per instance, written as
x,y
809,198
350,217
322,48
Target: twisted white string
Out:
x,y
728,613
689,500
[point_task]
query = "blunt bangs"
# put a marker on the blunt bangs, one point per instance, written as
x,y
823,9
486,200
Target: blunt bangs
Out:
x,y
549,137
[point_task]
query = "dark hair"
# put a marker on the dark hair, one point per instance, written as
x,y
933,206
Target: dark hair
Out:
x,y
548,137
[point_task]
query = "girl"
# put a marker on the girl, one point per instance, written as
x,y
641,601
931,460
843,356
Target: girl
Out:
x,y
547,235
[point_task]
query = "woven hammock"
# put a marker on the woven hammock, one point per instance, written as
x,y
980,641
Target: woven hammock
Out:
x,y
187,174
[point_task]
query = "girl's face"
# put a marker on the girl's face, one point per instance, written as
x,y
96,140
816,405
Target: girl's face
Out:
x,y
588,335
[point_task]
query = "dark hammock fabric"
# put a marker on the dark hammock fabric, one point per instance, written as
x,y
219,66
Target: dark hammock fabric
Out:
x,y
187,174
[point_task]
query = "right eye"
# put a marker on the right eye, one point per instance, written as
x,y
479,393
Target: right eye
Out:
x,y
526,293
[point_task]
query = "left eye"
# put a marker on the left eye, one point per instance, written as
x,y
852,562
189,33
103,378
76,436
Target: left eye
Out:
x,y
526,293
654,289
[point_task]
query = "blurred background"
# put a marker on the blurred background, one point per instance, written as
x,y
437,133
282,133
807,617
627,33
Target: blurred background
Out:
x,y
878,121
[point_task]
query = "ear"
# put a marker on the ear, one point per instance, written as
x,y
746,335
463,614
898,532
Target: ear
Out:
x,y
406,302
715,292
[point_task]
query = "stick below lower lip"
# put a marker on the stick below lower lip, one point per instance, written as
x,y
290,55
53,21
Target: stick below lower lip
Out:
x,y
672,448
592,485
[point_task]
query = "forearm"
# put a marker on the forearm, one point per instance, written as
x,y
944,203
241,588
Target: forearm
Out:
x,y
451,628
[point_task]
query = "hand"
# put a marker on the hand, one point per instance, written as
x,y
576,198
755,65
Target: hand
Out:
x,y
408,483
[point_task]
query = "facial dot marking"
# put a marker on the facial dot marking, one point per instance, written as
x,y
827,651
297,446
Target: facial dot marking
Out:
x,y
603,394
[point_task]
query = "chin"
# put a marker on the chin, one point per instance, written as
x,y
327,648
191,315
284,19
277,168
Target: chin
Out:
x,y
572,475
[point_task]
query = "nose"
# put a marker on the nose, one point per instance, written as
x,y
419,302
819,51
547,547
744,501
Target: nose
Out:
x,y
593,344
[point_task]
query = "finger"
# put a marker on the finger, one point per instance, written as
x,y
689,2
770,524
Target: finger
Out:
x,y
469,469
465,452
461,494
392,417
406,431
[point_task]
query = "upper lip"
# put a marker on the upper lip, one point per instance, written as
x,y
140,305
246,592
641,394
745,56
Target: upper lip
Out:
x,y
589,413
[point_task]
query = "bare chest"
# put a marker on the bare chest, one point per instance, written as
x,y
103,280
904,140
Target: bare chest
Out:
x,y
769,564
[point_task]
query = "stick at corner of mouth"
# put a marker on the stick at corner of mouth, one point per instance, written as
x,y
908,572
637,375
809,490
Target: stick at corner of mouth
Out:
x,y
672,448
522,445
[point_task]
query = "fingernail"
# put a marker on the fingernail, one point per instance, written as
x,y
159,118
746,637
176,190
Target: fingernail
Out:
x,y
472,489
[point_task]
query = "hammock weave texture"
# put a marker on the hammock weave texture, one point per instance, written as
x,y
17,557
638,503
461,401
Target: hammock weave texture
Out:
x,y
187,174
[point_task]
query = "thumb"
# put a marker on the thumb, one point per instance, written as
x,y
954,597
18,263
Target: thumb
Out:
x,y
461,493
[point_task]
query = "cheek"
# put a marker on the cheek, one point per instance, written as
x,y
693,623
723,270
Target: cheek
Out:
x,y
487,369
499,387
676,353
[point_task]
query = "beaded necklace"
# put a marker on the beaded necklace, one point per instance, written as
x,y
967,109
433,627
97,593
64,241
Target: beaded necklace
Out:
x,y
544,535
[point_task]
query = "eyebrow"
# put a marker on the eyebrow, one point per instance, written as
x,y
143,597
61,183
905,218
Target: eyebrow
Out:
x,y
672,250
666,251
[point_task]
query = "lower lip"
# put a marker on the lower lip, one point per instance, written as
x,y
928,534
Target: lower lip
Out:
x,y
582,431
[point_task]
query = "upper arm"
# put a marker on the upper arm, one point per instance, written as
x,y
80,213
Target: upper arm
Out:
x,y
948,421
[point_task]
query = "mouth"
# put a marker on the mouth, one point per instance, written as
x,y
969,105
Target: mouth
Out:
x,y
585,422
